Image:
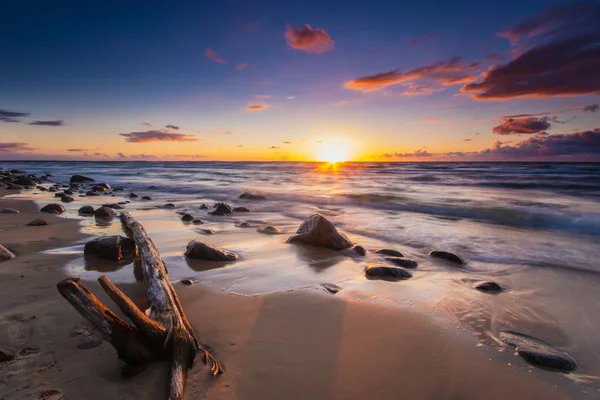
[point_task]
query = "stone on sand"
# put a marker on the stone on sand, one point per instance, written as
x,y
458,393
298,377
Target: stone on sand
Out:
x,y
489,287
539,353
387,272
388,252
241,209
221,209
269,230
67,199
204,251
318,231
187,218
111,247
9,211
104,212
331,288
444,255
5,254
358,249
38,222
250,196
53,208
86,210
80,179
402,262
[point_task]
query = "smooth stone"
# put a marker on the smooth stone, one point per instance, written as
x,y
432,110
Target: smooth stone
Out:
x,y
67,199
169,205
187,218
38,222
111,247
53,208
99,189
86,210
146,198
5,254
133,195
114,206
489,287
539,353
92,193
241,209
80,179
102,185
43,189
444,255
388,252
203,207
331,288
402,262
197,222
104,212
25,182
387,272
358,249
9,211
204,251
187,281
60,194
206,231
269,230
69,192
244,225
221,209
250,196
318,231
6,355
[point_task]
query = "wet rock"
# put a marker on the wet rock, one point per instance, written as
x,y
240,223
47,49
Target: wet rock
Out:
x,y
38,222
243,225
489,287
102,185
387,272
444,255
206,231
60,194
111,247
14,187
9,211
203,251
5,254
69,192
104,212
241,209
197,222
43,189
114,206
250,196
6,355
51,394
80,179
53,208
203,207
52,189
187,282
269,230
318,231
67,199
92,193
539,353
169,205
358,249
221,209
187,218
86,210
99,189
331,288
133,195
25,181
146,198
388,252
402,262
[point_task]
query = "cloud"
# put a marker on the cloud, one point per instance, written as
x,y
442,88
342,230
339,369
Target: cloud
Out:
x,y
77,150
58,122
288,143
467,140
243,65
11,116
157,136
220,132
451,72
418,90
14,146
587,108
494,57
174,127
213,56
262,96
148,124
274,147
592,107
309,39
418,40
517,126
100,155
121,155
257,107
415,154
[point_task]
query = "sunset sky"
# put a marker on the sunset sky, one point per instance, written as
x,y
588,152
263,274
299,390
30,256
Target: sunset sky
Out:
x,y
272,80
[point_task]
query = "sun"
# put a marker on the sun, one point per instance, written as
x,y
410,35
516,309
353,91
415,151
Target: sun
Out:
x,y
333,152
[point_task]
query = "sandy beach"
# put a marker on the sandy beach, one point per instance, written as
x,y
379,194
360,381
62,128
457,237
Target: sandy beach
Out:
x,y
298,344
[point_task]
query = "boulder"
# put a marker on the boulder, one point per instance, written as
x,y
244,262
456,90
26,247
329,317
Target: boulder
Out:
x,y
241,209
5,254
388,252
244,225
60,194
146,198
269,230
86,210
114,206
402,262
69,192
133,195
539,353
197,222
67,199
102,185
9,211
111,247
358,249
386,272
99,189
221,209
250,196
444,255
53,208
80,179
203,207
6,355
38,222
104,212
169,205
43,189
489,287
318,231
203,251
92,193
187,218
25,181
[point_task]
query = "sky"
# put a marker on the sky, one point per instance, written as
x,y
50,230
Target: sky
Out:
x,y
426,80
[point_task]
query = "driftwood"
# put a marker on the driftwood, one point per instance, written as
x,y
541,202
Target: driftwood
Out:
x,y
162,332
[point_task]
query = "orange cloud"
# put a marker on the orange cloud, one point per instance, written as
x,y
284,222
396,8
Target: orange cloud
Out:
x,y
309,39
212,55
257,107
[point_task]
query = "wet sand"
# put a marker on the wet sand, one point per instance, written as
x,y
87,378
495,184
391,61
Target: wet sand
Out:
x,y
298,344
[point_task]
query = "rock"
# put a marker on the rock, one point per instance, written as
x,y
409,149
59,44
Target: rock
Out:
x,y
92,193
206,231
318,231
69,192
169,205
241,209
358,249
197,222
104,212
388,252
187,218
187,281
331,288
444,255
269,230
38,222
114,206
387,272
6,355
59,194
50,394
488,287
250,196
9,211
133,195
25,181
204,251
67,199
221,209
102,185
99,189
53,208
43,189
244,225
129,371
402,262
14,187
203,207
5,254
86,210
80,179
539,353
146,198
111,247
52,189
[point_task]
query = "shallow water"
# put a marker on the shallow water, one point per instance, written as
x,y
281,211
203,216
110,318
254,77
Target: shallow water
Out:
x,y
534,228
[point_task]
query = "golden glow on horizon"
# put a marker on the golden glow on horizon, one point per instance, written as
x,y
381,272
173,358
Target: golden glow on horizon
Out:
x,y
333,151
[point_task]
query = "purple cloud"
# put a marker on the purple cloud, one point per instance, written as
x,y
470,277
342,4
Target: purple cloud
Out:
x,y
14,146
58,122
174,127
309,39
517,126
157,136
